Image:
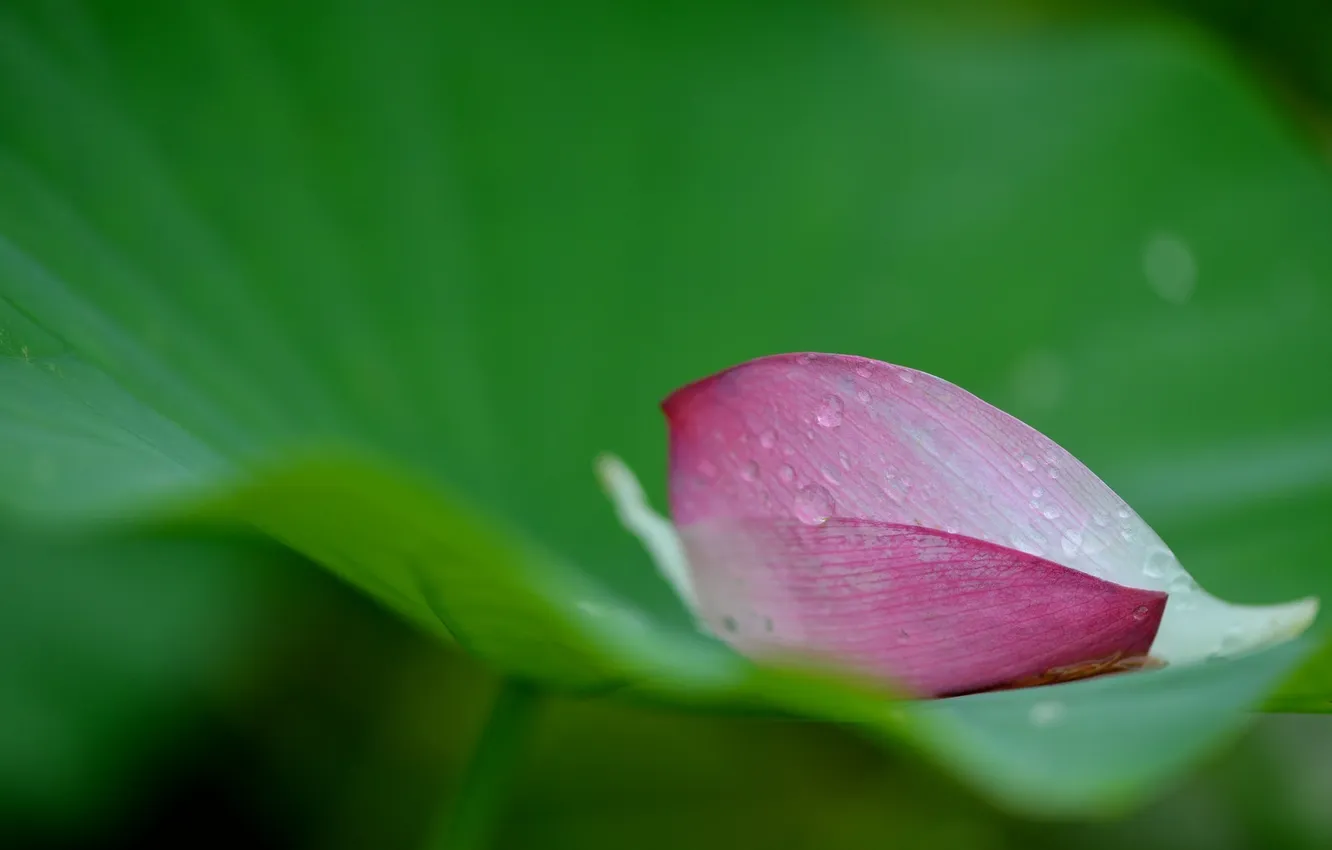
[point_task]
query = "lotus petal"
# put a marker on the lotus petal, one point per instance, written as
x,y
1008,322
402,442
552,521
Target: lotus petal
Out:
x,y
937,613
808,437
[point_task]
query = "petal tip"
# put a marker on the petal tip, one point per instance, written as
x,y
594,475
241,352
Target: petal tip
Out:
x,y
1302,614
677,403
655,532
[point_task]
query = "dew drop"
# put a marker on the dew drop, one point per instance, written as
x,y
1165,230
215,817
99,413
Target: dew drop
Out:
x,y
844,460
1050,513
750,471
863,397
1181,584
1140,613
786,473
1029,463
863,371
1071,542
1101,518
1158,561
1053,473
1170,267
831,475
906,377
1037,493
1045,713
1122,513
813,504
830,412
768,439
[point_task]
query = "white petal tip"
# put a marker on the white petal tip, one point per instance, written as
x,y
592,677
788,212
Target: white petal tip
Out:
x,y
1289,621
1272,624
655,532
1206,628
618,480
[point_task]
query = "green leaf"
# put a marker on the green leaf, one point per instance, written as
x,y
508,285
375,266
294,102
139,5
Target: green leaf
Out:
x,y
382,279
1138,730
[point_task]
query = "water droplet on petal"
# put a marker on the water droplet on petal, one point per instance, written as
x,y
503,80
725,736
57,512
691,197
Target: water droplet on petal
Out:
x,y
1051,512
1101,518
1140,613
750,471
1071,542
831,475
813,504
1037,493
845,460
768,439
829,414
863,397
1182,583
1029,463
1092,544
1157,563
786,473
906,377
863,371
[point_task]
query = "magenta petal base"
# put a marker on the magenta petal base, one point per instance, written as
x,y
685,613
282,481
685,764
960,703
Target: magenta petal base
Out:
x,y
936,613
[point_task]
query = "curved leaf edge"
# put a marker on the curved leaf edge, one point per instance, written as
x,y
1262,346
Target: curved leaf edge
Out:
x,y
465,578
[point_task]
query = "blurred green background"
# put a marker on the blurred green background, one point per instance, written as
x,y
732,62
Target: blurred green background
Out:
x,y
1112,220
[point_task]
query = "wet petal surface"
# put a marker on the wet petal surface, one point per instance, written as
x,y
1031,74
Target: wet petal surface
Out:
x,y
812,436
937,613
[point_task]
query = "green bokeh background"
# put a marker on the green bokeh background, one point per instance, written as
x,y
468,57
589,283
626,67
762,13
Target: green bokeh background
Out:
x,y
1114,223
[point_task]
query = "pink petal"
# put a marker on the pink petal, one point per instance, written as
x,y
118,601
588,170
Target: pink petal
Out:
x,y
935,612
808,436
813,435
